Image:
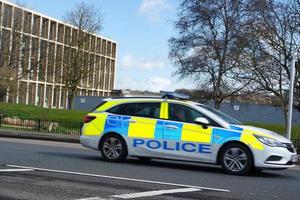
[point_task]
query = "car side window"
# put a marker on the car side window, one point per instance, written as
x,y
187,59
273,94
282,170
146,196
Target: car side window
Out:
x,y
151,110
178,112
123,109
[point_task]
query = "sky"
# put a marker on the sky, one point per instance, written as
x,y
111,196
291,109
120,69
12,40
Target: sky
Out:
x,y
141,29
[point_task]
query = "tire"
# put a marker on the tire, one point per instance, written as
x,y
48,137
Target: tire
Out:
x,y
236,159
113,148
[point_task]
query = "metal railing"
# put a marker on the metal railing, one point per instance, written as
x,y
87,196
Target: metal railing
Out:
x,y
38,125
296,143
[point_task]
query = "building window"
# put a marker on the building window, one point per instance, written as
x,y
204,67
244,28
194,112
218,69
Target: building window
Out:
x,y
31,94
60,34
103,48
48,98
53,31
40,96
17,19
114,49
67,35
36,25
45,28
51,62
56,97
27,22
63,98
22,92
7,16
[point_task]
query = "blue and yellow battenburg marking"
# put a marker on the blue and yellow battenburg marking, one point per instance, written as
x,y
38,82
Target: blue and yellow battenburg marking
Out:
x,y
155,134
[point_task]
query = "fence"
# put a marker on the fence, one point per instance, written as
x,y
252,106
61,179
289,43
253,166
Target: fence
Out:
x,y
38,125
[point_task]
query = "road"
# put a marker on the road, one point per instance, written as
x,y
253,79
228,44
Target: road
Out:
x,y
33,169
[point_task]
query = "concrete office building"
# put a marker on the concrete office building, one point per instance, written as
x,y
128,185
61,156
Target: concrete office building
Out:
x,y
51,38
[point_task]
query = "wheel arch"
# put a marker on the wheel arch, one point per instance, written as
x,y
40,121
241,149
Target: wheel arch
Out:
x,y
233,142
109,134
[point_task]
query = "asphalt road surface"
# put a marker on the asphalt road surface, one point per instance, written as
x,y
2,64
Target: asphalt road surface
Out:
x,y
33,169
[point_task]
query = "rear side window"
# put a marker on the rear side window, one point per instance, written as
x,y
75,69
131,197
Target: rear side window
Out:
x,y
124,109
150,110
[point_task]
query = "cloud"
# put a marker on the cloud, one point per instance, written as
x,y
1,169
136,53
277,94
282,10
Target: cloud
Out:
x,y
157,84
153,9
154,84
127,83
129,61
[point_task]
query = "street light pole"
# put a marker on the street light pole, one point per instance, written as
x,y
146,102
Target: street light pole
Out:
x,y
291,97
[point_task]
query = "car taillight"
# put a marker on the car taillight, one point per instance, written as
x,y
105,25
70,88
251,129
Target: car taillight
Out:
x,y
88,119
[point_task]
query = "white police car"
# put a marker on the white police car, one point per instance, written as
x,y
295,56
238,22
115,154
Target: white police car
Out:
x,y
168,128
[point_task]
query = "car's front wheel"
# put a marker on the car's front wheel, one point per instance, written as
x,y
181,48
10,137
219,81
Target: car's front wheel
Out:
x,y
113,148
236,159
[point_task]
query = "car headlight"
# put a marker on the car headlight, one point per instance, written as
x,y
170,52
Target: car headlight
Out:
x,y
269,141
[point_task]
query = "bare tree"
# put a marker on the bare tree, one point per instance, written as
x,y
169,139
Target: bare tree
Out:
x,y
208,48
274,41
77,61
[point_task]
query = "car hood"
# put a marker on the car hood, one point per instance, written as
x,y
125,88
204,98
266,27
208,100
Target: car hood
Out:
x,y
264,132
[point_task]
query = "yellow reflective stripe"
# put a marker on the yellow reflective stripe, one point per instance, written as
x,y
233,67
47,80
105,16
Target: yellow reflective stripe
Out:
x,y
95,127
195,133
164,110
248,138
142,128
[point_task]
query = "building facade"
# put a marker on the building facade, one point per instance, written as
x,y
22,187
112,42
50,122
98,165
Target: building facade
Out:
x,y
51,39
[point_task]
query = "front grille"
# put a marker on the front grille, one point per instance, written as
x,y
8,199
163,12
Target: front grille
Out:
x,y
290,147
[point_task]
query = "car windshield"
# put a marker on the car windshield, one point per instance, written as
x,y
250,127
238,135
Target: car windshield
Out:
x,y
225,117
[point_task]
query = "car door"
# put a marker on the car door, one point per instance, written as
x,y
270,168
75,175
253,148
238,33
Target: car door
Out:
x,y
185,139
145,130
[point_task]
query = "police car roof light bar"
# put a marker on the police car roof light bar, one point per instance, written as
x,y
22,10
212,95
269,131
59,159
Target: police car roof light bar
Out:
x,y
174,95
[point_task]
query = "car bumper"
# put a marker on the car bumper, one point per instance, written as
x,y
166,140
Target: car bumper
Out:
x,y
274,158
91,142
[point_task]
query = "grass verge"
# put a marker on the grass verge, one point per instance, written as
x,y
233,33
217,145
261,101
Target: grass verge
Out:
x,y
34,112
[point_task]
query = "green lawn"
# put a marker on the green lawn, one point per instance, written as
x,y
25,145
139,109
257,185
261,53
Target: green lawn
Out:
x,y
34,112
278,128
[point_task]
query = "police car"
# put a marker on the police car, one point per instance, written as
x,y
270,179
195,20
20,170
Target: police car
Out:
x,y
172,127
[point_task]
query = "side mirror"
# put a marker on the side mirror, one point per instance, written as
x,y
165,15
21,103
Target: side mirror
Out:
x,y
202,121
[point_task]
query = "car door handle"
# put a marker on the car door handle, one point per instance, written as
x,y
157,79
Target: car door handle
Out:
x,y
171,127
130,121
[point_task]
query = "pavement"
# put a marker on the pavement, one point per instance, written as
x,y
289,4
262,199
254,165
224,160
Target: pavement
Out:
x,y
39,136
38,169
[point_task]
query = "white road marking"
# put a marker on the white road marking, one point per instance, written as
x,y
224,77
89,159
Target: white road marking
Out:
x,y
93,198
16,170
121,178
154,193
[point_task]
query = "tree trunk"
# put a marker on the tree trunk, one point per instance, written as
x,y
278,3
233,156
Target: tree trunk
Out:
x,y
217,104
70,100
2,94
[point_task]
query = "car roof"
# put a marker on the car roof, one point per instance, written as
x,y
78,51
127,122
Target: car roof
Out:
x,y
147,99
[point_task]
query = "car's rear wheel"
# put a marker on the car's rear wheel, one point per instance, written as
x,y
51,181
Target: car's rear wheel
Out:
x,y
113,148
236,159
